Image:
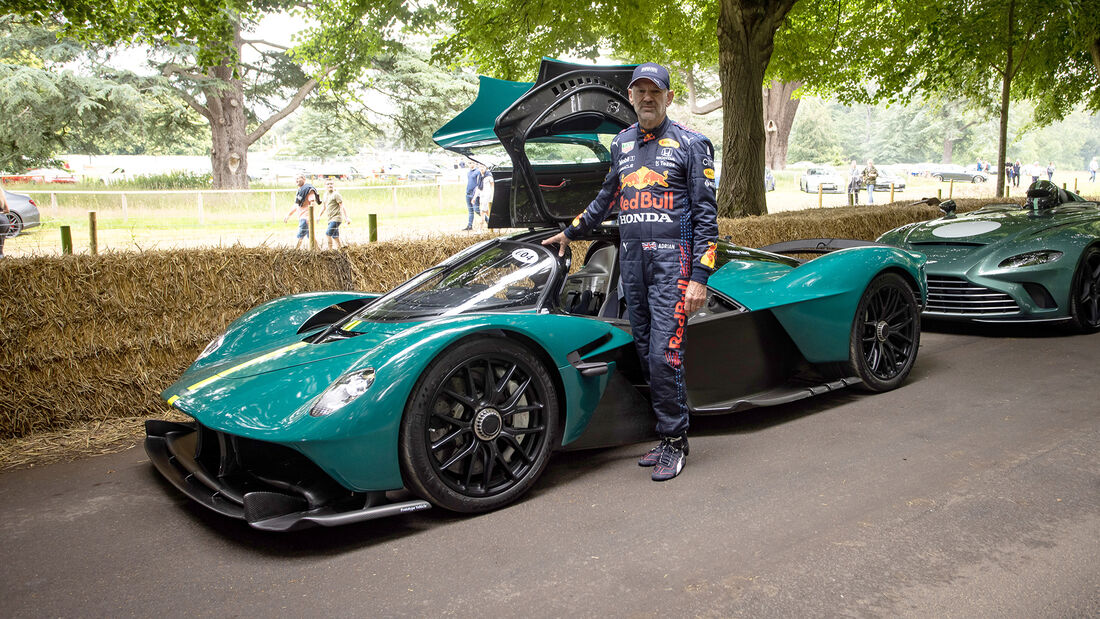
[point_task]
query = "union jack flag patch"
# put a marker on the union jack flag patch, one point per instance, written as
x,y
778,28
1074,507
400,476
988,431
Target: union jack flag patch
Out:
x,y
649,246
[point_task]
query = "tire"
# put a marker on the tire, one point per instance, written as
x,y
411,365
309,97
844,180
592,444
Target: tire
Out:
x,y
468,444
885,335
15,225
938,177
1084,293
977,179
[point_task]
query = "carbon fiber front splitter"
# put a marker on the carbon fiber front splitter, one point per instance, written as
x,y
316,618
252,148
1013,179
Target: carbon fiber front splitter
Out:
x,y
214,470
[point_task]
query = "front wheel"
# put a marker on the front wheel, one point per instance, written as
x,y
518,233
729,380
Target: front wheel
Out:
x,y
479,427
978,179
15,225
885,334
938,177
1084,295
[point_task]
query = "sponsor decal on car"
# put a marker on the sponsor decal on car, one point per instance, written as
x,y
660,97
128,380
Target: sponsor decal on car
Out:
x,y
669,142
526,256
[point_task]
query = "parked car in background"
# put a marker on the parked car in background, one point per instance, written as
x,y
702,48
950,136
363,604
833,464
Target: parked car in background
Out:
x,y
23,213
954,172
431,175
50,175
1035,262
828,179
340,172
769,179
889,176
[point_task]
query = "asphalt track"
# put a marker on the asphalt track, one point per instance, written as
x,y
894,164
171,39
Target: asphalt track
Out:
x,y
972,491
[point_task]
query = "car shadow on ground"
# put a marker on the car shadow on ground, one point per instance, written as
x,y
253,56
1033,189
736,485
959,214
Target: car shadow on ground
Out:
x,y
998,330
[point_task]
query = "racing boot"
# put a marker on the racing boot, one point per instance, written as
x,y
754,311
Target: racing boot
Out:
x,y
671,460
653,456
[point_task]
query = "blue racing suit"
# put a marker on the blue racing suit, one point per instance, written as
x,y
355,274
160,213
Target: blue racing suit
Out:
x,y
662,181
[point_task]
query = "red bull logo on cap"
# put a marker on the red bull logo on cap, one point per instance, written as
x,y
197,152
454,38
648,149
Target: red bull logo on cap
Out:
x,y
642,178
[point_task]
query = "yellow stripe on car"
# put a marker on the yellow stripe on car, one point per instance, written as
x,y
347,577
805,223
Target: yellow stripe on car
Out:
x,y
269,356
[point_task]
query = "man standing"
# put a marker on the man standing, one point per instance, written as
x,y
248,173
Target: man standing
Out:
x,y
473,182
662,180
1092,170
335,212
306,195
870,175
853,183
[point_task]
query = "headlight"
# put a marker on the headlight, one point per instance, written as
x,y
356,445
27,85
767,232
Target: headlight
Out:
x,y
212,346
1030,259
343,391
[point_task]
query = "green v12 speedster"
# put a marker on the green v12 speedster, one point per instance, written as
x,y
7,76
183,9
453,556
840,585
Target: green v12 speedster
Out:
x,y
455,387
1036,262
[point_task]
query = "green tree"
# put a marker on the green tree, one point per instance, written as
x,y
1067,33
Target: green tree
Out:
x,y
199,49
47,107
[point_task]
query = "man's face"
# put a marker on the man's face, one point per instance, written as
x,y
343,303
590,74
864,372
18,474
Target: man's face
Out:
x,y
329,185
650,102
301,180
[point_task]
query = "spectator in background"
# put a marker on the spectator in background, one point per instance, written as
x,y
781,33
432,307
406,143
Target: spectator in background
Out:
x,y
4,219
1016,173
853,183
1050,170
1035,171
473,182
870,175
1008,173
485,197
335,212
306,196
1092,170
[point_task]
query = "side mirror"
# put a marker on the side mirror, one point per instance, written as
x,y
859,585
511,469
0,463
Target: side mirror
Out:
x,y
948,207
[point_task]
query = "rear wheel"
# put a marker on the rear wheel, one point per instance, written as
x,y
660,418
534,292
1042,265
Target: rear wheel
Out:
x,y
938,177
885,333
977,179
479,427
1084,295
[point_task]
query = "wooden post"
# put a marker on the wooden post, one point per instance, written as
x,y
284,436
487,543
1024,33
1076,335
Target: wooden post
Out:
x,y
1074,184
891,192
939,193
274,212
66,240
93,244
202,211
441,193
395,202
312,237
951,189
125,214
53,204
819,196
372,227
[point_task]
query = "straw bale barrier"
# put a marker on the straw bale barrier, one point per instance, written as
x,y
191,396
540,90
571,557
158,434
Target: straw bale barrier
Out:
x,y
89,339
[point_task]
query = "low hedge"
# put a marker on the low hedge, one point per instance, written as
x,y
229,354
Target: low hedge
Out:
x,y
90,338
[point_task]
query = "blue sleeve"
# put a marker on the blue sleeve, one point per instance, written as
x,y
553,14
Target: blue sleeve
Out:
x,y
599,207
704,209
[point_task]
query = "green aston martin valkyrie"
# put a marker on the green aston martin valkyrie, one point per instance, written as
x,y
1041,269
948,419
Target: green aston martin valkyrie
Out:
x,y
333,407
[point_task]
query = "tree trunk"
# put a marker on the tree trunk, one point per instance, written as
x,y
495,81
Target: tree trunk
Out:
x,y
228,131
228,123
1006,83
779,112
948,148
746,34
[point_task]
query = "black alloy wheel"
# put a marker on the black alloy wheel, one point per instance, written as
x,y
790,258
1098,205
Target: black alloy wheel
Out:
x,y
885,334
15,225
479,427
1084,301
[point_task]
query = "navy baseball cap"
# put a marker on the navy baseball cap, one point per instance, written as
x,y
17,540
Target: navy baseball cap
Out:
x,y
650,71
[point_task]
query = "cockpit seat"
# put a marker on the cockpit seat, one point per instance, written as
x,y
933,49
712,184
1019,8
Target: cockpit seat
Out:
x,y
585,292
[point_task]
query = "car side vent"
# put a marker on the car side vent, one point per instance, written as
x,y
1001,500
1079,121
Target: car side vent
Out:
x,y
576,82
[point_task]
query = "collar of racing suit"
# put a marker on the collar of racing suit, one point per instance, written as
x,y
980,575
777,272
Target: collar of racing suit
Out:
x,y
646,136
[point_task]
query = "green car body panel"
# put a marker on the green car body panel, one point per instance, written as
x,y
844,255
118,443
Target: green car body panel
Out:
x,y
974,247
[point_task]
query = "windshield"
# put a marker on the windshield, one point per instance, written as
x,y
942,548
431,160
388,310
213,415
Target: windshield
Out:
x,y
503,275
